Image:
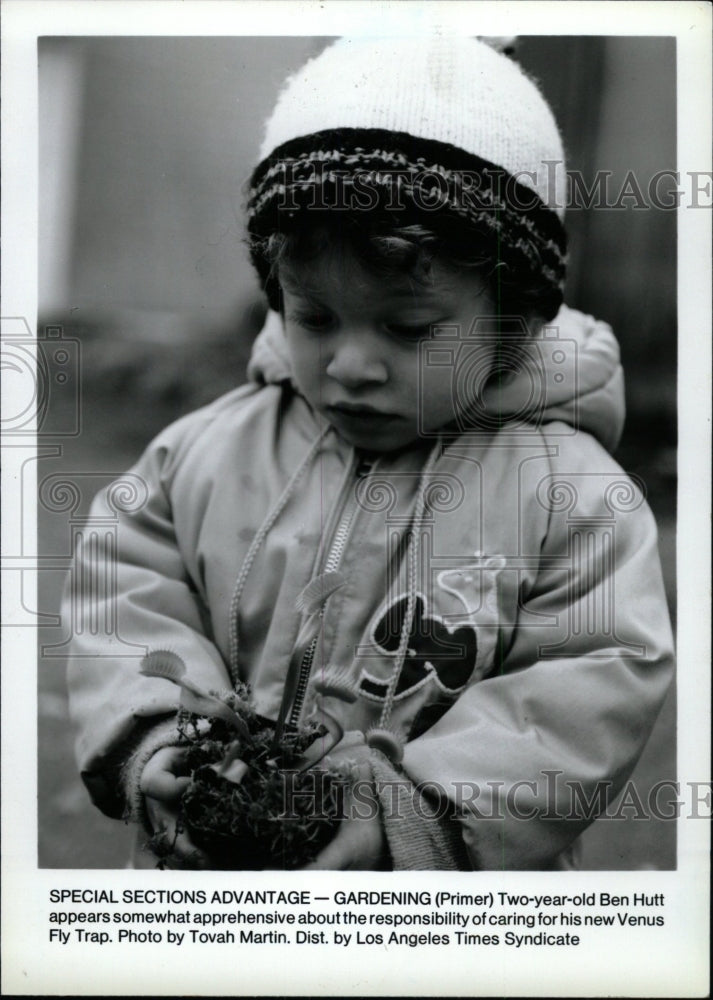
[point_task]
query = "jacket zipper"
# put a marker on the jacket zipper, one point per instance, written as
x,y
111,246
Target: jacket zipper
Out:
x,y
339,541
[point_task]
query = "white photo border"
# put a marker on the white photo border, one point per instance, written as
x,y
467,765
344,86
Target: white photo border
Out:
x,y
672,962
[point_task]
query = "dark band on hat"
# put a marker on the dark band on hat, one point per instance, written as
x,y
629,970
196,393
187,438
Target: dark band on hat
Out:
x,y
365,170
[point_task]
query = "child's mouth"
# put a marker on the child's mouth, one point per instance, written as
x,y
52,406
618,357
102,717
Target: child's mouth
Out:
x,y
358,414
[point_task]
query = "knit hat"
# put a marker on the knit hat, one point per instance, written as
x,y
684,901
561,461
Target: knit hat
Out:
x,y
429,129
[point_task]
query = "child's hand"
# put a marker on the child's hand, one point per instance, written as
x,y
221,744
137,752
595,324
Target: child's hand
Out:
x,y
163,781
360,844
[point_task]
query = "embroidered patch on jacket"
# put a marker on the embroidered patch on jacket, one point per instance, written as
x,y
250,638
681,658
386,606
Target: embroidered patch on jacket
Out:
x,y
475,585
436,652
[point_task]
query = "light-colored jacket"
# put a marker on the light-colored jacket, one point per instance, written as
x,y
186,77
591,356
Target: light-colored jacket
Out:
x,y
539,650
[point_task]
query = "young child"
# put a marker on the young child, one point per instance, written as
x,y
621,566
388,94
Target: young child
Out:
x,y
427,425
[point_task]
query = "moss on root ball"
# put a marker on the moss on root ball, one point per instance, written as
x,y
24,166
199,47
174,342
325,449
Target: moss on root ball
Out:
x,y
276,817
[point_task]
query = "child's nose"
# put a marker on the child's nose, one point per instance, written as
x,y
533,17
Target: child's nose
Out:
x,y
356,360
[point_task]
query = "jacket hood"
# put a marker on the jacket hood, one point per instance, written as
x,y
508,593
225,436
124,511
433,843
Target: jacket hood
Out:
x,y
571,372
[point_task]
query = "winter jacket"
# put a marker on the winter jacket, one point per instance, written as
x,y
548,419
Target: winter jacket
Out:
x,y
538,647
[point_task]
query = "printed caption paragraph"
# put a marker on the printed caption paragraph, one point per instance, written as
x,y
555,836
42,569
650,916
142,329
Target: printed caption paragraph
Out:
x,y
345,919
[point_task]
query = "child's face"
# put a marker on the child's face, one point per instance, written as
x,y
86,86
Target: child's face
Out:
x,y
354,344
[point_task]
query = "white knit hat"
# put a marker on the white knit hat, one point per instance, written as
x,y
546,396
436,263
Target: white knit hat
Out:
x,y
450,89
446,123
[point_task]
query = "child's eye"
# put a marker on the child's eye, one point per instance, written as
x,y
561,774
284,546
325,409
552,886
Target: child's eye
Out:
x,y
407,331
313,321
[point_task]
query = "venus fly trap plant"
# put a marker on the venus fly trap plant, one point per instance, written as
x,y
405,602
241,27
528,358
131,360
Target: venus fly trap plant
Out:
x,y
311,602
258,797
164,663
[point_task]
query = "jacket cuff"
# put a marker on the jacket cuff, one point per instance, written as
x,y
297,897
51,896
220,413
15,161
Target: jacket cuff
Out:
x,y
164,735
420,838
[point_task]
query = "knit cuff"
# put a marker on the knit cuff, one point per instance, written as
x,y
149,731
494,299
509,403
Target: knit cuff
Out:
x,y
419,838
164,735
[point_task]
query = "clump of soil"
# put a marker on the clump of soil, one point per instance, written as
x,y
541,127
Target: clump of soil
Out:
x,y
268,811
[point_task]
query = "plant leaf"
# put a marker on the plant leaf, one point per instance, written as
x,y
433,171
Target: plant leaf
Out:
x,y
311,599
163,663
169,666
336,683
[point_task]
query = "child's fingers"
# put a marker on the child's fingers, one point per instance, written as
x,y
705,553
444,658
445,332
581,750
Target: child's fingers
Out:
x,y
172,759
182,850
179,851
164,786
161,777
162,783
336,856
358,846
187,853
161,818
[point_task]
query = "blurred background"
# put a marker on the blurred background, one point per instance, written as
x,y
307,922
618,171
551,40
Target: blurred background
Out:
x,y
145,148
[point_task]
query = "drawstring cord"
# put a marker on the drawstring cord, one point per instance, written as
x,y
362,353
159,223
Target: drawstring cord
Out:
x,y
256,544
413,577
